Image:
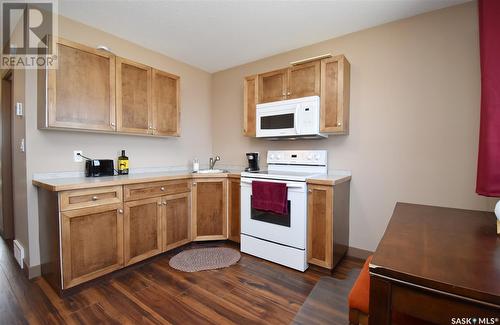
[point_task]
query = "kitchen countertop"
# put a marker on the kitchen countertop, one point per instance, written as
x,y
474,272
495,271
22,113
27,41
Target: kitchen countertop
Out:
x,y
330,179
57,184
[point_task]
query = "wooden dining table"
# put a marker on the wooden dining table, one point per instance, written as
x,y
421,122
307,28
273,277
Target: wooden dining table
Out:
x,y
440,265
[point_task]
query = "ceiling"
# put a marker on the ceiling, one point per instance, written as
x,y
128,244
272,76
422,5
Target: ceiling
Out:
x,y
216,35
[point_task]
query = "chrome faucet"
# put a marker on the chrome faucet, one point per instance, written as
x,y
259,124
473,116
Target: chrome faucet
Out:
x,y
212,161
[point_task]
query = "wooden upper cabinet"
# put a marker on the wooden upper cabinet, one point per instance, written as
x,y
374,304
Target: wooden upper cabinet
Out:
x,y
134,112
250,93
81,92
335,92
209,210
176,220
304,80
329,78
92,242
272,86
166,109
142,229
93,90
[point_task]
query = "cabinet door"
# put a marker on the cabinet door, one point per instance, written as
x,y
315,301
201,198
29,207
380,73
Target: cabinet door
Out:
x,y
272,86
176,220
209,209
234,209
166,109
335,88
320,225
250,93
142,229
133,97
92,243
81,91
304,80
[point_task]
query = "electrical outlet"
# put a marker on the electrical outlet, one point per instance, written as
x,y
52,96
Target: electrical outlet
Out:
x,y
76,156
19,109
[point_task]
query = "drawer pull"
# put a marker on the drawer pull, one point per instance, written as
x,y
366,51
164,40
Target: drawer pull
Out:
x,y
310,191
162,189
120,211
94,198
164,203
159,203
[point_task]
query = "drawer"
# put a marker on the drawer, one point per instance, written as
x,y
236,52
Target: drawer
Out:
x,y
91,197
147,190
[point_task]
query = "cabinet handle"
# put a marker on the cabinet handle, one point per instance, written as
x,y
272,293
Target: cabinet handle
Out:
x,y
194,184
339,124
162,189
94,198
309,191
120,211
113,124
159,203
164,203
288,93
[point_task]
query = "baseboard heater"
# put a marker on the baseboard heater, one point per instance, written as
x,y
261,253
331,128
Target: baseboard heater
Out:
x,y
18,253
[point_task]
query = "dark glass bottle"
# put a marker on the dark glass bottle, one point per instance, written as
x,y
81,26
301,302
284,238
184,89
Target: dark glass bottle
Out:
x,y
123,164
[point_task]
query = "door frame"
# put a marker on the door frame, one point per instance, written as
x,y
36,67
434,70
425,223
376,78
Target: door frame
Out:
x,y
7,227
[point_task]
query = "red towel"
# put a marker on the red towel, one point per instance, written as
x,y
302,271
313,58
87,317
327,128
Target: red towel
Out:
x,y
268,196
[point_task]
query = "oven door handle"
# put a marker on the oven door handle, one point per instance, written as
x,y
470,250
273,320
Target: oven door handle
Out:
x,y
287,185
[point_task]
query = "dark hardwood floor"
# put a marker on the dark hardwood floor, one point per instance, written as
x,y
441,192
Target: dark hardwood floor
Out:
x,y
252,292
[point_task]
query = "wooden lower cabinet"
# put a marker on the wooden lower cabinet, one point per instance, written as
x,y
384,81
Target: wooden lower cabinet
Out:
x,y
176,220
142,229
327,224
92,242
320,225
209,209
233,205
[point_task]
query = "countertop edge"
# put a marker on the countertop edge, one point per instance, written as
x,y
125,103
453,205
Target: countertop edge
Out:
x,y
327,181
45,184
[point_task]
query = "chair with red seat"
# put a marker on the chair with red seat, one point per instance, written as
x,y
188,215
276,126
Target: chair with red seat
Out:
x,y
359,297
359,302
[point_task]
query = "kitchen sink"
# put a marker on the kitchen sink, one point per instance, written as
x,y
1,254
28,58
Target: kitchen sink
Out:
x,y
211,171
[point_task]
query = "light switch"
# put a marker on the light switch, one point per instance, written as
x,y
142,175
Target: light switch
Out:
x,y
19,109
22,146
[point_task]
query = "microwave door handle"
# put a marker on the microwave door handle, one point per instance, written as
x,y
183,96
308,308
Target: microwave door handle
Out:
x,y
297,119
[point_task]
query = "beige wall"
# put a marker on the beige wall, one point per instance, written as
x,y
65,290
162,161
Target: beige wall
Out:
x,y
414,116
52,151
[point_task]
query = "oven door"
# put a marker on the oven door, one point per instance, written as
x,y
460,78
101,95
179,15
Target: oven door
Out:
x,y
290,229
277,121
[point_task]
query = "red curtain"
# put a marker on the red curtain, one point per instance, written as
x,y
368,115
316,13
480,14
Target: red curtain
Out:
x,y
488,170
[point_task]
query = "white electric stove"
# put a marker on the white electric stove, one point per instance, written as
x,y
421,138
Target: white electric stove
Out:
x,y
281,238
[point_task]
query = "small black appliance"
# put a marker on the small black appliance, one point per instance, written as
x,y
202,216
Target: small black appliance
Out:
x,y
99,167
253,162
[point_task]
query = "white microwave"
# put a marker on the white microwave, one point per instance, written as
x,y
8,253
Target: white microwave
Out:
x,y
289,118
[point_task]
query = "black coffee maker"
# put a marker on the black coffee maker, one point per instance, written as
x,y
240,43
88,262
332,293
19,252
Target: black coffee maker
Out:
x,y
253,162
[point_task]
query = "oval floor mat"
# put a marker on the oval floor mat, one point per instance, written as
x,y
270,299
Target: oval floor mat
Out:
x,y
200,259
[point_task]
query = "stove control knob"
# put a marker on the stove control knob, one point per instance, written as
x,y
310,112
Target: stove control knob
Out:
x,y
278,157
316,157
309,157
271,157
